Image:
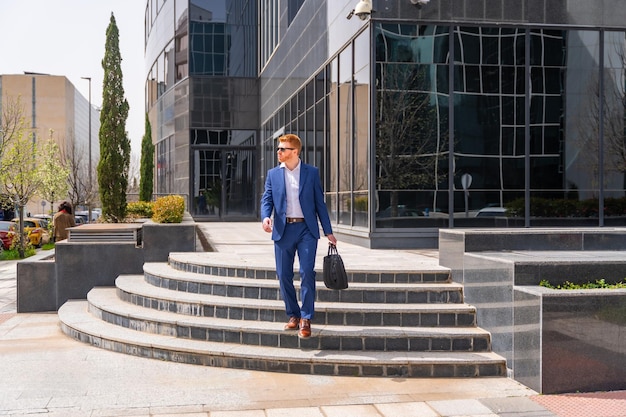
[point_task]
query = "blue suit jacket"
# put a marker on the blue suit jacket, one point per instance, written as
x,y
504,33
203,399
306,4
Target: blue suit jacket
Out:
x,y
311,200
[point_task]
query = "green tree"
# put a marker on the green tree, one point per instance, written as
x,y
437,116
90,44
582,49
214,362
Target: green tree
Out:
x,y
28,168
54,175
147,164
114,142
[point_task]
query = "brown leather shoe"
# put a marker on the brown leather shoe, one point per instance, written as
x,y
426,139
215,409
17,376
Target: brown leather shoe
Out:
x,y
305,329
292,324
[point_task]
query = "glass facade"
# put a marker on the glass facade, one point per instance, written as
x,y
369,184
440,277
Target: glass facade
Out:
x,y
202,96
416,124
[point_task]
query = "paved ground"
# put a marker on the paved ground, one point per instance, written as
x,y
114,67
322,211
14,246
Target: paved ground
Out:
x,y
43,372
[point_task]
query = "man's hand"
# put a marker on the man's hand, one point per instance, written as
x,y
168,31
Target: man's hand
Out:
x,y
267,224
332,239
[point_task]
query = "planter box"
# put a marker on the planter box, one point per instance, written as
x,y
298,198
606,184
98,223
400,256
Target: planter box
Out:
x,y
554,341
564,341
95,255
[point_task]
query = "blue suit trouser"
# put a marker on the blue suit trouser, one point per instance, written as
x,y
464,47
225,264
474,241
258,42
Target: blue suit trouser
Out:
x,y
297,238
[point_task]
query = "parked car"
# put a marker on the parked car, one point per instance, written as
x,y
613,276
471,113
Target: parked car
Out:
x,y
36,230
80,219
94,215
6,235
491,212
46,217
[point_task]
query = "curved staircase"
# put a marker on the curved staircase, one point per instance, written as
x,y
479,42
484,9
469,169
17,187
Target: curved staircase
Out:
x,y
208,309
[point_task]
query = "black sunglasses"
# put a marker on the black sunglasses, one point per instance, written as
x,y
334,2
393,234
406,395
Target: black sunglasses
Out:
x,y
279,149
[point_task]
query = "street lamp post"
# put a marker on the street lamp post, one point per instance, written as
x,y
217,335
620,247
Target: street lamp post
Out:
x,y
90,183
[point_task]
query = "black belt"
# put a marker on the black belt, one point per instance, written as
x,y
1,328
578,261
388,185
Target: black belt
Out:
x,y
295,219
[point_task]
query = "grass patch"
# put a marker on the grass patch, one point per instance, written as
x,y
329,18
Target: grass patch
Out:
x,y
13,254
598,284
48,246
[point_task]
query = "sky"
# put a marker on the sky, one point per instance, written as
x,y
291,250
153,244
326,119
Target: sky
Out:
x,y
67,37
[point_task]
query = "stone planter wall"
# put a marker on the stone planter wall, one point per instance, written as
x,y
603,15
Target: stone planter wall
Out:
x,y
564,341
554,341
96,258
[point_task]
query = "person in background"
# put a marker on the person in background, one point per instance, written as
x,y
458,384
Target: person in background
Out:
x,y
293,193
62,220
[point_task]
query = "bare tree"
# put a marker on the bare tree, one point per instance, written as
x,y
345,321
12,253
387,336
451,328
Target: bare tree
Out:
x,y
75,159
133,174
11,121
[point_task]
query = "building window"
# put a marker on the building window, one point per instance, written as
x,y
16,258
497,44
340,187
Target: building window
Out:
x,y
293,7
270,13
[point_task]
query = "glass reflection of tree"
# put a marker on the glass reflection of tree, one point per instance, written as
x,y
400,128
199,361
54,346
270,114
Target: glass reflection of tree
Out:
x,y
614,116
409,146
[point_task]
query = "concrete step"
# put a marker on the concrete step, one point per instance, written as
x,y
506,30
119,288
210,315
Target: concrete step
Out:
x,y
134,289
232,265
163,275
104,304
79,324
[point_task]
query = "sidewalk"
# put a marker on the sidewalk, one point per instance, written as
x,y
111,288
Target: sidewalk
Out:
x,y
44,372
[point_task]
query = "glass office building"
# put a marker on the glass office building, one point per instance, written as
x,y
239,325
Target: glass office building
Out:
x,y
458,113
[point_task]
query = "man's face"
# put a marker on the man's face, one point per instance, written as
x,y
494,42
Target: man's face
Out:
x,y
286,151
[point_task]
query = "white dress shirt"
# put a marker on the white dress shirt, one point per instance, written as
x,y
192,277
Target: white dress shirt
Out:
x,y
292,188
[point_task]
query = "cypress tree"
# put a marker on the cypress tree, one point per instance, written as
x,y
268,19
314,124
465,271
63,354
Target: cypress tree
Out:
x,y
146,169
114,142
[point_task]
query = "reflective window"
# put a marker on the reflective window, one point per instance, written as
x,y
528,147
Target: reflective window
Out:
x,y
411,133
293,7
269,36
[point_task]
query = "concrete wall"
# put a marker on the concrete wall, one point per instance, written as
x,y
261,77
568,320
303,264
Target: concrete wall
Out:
x,y
554,341
79,266
38,291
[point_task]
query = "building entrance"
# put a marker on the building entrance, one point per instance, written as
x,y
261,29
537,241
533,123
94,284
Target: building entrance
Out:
x,y
223,183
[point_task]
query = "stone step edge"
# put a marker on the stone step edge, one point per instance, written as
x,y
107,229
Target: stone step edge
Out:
x,y
226,260
77,323
105,299
135,284
165,270
162,275
232,266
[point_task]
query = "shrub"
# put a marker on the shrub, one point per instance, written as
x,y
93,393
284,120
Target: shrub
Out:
x,y
168,209
598,284
546,207
360,203
140,209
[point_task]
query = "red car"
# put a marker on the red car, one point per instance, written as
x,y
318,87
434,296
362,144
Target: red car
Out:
x,y
6,235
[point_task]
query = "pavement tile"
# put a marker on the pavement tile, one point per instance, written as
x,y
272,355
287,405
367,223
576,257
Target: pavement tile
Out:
x,y
294,412
351,410
601,404
512,405
459,408
178,415
407,409
240,413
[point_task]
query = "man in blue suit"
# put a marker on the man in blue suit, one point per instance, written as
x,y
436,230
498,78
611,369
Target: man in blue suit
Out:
x,y
293,192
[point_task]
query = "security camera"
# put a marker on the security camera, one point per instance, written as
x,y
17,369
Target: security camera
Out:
x,y
420,2
362,9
